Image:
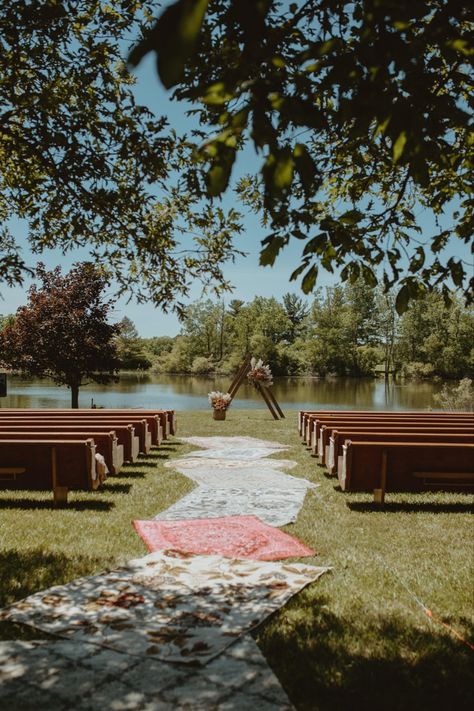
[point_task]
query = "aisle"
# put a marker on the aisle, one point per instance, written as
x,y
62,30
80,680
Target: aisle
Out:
x,y
170,629
235,476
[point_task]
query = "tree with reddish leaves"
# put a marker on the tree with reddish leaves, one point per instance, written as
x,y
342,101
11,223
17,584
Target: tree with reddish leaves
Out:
x,y
63,332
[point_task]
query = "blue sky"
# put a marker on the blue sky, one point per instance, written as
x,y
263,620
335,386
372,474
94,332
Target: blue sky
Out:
x,y
247,277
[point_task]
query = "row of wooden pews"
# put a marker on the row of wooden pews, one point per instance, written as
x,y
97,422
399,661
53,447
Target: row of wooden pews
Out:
x,y
383,451
75,449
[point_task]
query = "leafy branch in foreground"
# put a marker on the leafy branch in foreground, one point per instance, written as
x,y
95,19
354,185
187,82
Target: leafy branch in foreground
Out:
x,y
362,115
82,163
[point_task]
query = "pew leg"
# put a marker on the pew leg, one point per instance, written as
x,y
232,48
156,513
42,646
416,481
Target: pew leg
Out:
x,y
60,495
379,494
59,492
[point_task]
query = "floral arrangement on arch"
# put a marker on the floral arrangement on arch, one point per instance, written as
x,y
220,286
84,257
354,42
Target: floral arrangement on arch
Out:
x,y
260,374
219,401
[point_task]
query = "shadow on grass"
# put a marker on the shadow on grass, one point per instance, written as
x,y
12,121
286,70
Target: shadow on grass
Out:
x,y
130,473
411,507
31,504
25,572
116,488
152,457
329,664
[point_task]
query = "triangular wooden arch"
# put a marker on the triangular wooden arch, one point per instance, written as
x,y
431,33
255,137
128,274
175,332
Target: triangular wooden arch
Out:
x,y
266,393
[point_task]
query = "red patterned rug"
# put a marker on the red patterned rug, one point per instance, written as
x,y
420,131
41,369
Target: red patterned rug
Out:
x,y
232,536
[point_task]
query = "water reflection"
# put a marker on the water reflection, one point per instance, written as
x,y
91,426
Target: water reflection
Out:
x,y
183,392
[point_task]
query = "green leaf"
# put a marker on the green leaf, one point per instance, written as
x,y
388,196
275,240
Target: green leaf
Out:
x,y
461,45
369,276
216,94
399,146
417,260
283,171
218,176
174,38
278,62
305,166
352,217
270,252
402,300
316,244
457,271
400,25
382,126
309,280
298,271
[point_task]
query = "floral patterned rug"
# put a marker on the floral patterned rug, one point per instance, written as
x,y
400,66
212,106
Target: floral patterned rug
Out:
x,y
236,477
237,442
61,675
175,607
232,536
237,474
277,507
244,453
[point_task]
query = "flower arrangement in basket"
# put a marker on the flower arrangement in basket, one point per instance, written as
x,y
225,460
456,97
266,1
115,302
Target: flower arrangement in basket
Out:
x,y
220,402
260,374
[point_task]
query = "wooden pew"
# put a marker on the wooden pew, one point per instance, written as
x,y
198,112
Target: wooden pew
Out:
x,y
83,421
125,433
416,421
326,430
308,418
405,466
340,437
165,418
305,415
106,443
59,465
314,422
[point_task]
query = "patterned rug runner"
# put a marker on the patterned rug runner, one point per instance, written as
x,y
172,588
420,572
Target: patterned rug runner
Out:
x,y
236,442
168,606
235,477
59,676
276,507
237,474
232,536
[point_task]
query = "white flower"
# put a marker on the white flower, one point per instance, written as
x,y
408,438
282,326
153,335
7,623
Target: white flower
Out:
x,y
218,400
259,373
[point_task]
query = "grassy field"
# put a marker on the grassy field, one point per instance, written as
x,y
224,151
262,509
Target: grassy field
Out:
x,y
356,639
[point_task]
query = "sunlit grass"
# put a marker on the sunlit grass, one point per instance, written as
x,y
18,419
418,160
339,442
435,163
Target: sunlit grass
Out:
x,y
357,638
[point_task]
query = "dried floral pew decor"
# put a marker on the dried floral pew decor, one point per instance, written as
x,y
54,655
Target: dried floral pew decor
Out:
x,y
260,374
220,402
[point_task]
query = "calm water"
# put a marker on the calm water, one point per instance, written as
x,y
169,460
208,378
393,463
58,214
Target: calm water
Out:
x,y
182,392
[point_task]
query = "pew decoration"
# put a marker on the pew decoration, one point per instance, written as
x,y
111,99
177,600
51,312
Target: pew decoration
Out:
x,y
260,376
219,402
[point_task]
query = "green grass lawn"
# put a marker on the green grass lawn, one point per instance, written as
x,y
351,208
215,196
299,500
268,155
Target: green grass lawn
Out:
x,y
356,639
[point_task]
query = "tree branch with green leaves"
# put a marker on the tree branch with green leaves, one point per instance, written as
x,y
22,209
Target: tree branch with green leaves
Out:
x,y
359,112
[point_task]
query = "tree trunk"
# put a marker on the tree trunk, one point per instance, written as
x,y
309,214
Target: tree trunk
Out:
x,y
75,396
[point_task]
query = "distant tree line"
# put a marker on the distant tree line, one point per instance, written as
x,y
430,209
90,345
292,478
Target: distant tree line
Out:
x,y
345,331
348,330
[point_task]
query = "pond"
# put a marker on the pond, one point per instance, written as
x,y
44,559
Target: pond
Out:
x,y
182,392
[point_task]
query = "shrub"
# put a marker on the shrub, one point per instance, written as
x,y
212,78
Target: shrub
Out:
x,y
456,397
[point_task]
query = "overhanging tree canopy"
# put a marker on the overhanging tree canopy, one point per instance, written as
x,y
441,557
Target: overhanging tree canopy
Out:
x,y
82,164
362,115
